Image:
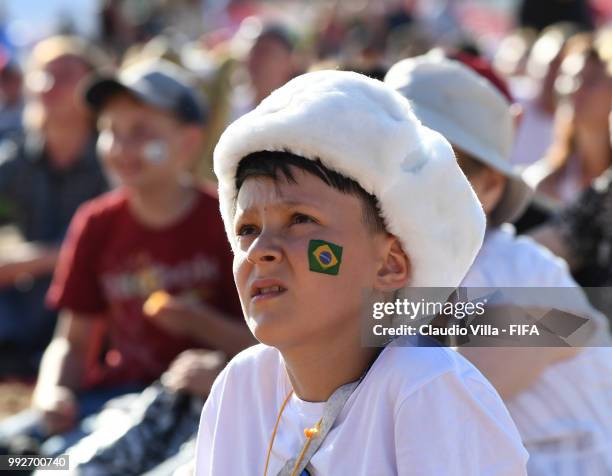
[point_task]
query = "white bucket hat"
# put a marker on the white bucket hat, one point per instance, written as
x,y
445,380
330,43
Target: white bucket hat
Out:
x,y
474,116
365,131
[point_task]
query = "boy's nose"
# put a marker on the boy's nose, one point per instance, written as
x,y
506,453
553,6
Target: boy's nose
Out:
x,y
263,250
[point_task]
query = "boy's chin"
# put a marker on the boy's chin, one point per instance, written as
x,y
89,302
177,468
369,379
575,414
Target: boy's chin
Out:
x,y
276,330
128,182
267,329
286,331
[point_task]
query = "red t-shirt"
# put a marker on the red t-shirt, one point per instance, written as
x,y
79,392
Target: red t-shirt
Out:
x,y
111,263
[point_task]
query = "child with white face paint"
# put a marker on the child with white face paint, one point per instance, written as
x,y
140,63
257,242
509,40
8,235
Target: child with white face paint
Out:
x,y
156,235
153,151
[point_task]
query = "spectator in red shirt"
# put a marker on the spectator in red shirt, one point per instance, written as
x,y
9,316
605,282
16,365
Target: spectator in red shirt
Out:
x,y
156,235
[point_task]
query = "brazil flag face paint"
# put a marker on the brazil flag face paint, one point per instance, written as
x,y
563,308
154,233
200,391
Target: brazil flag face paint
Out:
x,y
324,257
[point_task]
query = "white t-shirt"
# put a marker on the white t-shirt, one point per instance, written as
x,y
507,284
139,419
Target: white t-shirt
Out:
x,y
508,261
565,417
418,411
505,260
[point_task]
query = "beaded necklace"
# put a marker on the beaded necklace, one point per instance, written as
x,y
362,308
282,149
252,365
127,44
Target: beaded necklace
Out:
x,y
308,433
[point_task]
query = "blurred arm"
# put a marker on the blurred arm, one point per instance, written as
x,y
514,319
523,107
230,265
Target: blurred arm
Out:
x,y
217,330
64,359
211,328
511,370
26,259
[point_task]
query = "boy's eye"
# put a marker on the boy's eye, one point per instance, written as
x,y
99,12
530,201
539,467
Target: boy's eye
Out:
x,y
245,230
299,218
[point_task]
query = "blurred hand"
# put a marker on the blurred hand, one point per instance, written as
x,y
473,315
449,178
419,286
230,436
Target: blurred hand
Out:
x,y
59,409
194,371
176,315
25,261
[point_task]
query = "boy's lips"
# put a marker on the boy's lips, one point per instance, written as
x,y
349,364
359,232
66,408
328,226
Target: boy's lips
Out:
x,y
264,289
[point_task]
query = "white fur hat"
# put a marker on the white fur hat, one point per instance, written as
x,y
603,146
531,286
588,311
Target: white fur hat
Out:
x,y
365,131
471,113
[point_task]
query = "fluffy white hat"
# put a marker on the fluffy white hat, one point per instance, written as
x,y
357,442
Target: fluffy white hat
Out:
x,y
471,113
364,130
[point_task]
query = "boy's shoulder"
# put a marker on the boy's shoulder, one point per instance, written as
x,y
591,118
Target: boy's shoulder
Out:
x,y
426,378
504,240
538,258
401,366
413,367
257,367
105,205
116,202
98,216
508,260
403,353
256,359
111,211
100,213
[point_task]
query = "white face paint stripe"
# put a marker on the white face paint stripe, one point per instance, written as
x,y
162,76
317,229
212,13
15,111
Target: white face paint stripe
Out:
x,y
155,151
105,143
40,81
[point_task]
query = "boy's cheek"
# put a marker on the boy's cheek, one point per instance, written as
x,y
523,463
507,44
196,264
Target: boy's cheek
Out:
x,y
236,262
239,269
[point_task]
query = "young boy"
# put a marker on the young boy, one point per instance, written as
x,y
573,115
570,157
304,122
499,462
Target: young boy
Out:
x,y
573,436
327,191
156,235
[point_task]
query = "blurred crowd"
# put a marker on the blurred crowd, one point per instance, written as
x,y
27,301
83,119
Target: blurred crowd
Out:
x,y
551,60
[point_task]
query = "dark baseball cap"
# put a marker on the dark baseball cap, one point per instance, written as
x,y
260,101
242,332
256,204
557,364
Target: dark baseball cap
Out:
x,y
280,33
158,83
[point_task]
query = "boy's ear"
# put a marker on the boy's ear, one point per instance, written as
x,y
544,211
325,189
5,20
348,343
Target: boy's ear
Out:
x,y
395,270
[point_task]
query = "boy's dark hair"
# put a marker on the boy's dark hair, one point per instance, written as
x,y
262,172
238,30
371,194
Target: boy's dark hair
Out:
x,y
469,164
281,34
276,165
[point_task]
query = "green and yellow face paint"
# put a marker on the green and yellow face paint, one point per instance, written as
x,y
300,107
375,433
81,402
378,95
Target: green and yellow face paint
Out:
x,y
324,257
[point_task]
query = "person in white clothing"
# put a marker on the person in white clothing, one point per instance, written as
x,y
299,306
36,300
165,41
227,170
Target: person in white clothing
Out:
x,y
312,187
560,398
